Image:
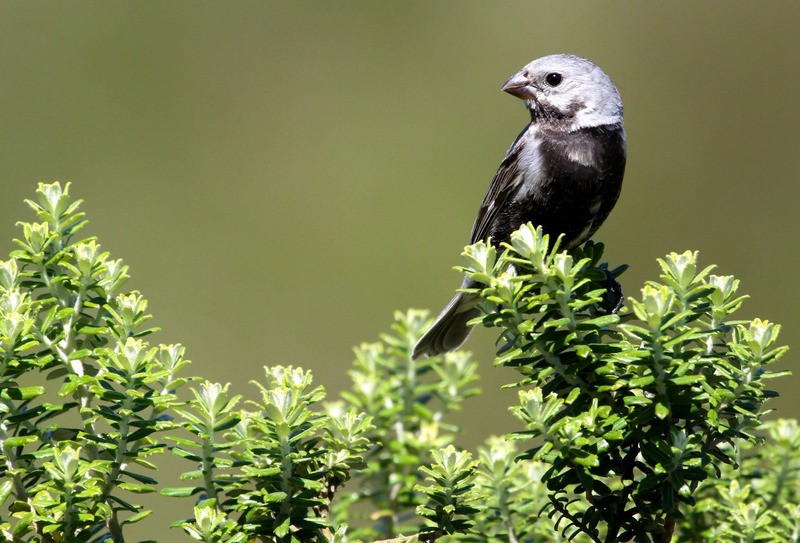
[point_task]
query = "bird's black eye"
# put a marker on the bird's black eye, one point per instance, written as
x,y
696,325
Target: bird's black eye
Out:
x,y
553,79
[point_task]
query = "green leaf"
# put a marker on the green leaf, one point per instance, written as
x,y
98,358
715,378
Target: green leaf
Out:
x,y
136,518
6,487
599,322
282,525
687,380
80,354
181,491
136,489
20,441
22,393
139,477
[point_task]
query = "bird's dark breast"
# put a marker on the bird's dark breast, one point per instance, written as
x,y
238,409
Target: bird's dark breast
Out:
x,y
581,180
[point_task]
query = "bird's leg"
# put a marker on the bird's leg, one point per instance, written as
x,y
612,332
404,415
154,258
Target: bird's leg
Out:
x,y
613,300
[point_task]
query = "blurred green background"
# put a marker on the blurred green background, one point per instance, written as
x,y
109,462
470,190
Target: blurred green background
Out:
x,y
280,177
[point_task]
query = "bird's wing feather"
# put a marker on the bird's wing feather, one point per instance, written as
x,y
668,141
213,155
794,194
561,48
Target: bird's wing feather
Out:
x,y
506,181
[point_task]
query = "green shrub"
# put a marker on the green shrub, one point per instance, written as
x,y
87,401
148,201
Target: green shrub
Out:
x,y
643,424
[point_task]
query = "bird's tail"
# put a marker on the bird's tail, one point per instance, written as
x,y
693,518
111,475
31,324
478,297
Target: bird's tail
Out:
x,y
450,329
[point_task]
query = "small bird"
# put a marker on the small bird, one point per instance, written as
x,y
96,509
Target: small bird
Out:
x,y
563,172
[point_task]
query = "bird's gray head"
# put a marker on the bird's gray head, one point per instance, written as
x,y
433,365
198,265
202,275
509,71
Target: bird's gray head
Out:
x,y
568,91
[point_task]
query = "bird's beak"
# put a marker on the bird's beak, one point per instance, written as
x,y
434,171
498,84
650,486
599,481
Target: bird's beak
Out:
x,y
519,85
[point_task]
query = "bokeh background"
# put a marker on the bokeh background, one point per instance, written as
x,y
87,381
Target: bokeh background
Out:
x,y
281,177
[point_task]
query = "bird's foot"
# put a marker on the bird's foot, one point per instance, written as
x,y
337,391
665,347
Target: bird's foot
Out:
x,y
613,299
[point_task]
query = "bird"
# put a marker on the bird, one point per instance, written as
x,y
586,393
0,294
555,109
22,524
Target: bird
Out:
x,y
563,172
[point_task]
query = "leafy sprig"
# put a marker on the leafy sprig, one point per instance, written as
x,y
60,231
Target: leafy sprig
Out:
x,y
76,458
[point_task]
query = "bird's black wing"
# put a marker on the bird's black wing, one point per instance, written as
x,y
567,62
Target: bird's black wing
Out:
x,y
505,183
